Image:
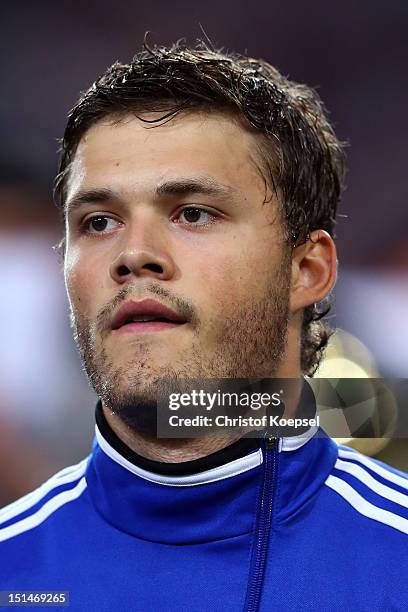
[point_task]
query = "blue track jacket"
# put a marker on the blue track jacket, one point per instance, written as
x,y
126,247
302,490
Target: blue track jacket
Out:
x,y
295,523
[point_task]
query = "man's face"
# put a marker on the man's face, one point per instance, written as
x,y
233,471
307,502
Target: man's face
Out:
x,y
175,213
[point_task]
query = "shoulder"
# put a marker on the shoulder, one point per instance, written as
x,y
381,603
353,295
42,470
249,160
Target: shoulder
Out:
x,y
370,488
38,506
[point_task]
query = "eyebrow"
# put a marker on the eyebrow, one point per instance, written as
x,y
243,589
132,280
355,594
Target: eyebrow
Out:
x,y
87,196
177,187
202,185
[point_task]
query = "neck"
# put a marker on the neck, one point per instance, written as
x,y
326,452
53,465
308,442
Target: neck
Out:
x,y
189,449
167,450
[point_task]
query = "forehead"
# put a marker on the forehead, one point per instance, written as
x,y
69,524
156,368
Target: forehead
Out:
x,y
129,152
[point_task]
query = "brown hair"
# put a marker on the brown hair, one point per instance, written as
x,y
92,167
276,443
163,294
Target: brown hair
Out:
x,y
305,161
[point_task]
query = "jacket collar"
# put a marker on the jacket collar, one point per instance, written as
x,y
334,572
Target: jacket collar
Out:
x,y
247,461
211,504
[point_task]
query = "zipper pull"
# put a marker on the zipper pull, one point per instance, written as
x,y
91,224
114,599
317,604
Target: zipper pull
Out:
x,y
270,436
270,440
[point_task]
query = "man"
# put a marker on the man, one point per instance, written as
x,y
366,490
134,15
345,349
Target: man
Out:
x,y
199,193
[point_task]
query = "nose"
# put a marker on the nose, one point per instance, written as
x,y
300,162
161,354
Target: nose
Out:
x,y
142,257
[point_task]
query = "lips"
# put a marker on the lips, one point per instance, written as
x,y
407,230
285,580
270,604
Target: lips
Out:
x,y
145,315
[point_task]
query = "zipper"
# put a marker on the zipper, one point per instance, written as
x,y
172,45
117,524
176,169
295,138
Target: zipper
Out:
x,y
263,525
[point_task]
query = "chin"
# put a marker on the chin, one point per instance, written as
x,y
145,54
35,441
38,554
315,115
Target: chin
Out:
x,y
135,405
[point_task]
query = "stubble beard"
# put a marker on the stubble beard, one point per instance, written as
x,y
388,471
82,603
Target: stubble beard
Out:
x,y
251,344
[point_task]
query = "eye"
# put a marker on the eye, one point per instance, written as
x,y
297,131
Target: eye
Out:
x,y
193,215
99,224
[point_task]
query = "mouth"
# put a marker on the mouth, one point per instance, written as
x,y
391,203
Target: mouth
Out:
x,y
145,316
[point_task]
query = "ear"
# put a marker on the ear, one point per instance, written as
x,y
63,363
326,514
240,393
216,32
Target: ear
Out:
x,y
314,270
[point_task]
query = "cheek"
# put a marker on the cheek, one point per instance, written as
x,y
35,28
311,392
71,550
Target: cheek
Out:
x,y
229,277
80,284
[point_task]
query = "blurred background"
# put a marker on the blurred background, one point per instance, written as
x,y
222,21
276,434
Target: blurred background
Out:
x,y
355,54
